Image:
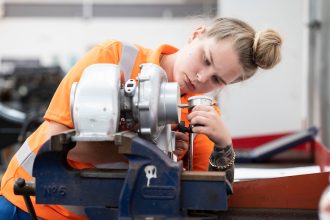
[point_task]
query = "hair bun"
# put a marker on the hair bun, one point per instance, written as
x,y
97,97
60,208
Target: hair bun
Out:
x,y
266,48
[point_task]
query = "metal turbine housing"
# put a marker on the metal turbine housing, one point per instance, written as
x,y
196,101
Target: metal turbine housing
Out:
x,y
157,101
100,108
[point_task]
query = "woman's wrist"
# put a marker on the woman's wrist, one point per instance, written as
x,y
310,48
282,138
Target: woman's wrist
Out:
x,y
223,144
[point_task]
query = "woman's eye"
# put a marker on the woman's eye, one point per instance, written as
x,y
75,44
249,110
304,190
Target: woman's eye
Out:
x,y
216,80
206,61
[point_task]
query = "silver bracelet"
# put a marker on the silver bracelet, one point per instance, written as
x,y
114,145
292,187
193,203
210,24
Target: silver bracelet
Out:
x,y
219,153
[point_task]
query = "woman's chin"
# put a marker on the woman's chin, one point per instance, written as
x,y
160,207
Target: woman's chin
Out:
x,y
183,90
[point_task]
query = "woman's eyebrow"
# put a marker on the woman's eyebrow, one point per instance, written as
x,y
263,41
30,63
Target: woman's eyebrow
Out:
x,y
212,63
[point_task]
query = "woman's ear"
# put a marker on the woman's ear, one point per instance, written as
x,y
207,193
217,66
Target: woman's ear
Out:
x,y
196,33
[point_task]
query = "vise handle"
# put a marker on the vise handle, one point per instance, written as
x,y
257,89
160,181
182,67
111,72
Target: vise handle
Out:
x,y
26,189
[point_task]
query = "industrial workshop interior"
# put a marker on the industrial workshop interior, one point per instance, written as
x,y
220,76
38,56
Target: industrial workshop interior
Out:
x,y
164,109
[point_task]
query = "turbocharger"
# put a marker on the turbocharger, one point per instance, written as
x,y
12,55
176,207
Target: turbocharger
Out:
x,y
101,106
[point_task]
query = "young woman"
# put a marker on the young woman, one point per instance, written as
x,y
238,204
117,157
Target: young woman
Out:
x,y
225,52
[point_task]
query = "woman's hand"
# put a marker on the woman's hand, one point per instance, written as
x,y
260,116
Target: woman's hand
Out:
x,y
181,142
207,121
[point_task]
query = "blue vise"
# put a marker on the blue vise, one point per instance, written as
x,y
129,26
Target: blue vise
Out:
x,y
153,186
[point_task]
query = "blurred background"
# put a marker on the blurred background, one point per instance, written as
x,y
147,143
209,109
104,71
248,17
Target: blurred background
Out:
x,y
40,40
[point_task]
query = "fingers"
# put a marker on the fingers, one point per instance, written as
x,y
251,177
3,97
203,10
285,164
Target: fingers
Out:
x,y
178,152
203,108
205,111
181,145
181,136
207,121
203,118
201,130
174,127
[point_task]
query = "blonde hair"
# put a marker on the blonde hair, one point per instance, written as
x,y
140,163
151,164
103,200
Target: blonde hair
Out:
x,y
255,49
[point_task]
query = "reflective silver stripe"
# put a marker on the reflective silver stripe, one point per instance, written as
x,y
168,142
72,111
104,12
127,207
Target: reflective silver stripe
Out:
x,y
79,210
127,59
26,157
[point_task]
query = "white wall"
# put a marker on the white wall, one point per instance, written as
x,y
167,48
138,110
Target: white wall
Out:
x,y
65,40
274,100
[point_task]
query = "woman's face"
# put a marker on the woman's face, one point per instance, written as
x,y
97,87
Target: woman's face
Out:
x,y
205,64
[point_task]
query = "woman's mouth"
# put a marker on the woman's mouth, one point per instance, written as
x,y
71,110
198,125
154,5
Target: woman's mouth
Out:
x,y
188,83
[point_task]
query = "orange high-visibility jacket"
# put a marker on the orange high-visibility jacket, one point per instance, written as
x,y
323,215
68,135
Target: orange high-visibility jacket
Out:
x,y
129,57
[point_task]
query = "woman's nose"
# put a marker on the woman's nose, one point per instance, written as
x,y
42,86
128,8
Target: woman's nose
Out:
x,y
202,77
